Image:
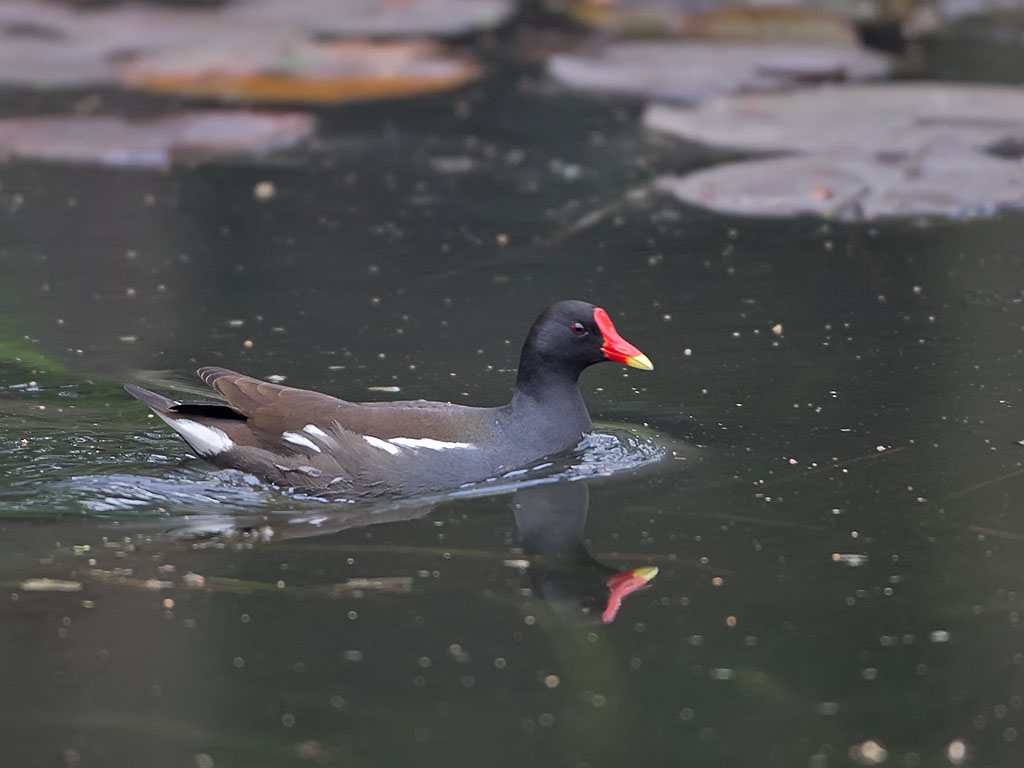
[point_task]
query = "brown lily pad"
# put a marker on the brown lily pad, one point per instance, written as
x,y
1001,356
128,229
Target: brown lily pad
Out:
x,y
773,24
763,23
306,72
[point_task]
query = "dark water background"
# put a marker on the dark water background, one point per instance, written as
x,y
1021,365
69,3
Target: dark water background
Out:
x,y
839,532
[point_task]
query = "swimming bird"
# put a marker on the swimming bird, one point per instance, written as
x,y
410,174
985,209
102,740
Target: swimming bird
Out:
x,y
324,446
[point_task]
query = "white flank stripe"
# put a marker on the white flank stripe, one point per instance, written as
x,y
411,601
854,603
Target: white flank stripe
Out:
x,y
384,445
296,439
428,442
315,431
206,441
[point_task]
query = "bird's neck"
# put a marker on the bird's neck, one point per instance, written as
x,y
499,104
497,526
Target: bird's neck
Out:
x,y
551,403
547,403
546,383
540,376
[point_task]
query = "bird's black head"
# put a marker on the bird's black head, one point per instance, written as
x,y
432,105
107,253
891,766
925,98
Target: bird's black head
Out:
x,y
570,336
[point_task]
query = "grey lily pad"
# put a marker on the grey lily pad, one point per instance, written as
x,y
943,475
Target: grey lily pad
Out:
x,y
378,18
45,45
943,181
155,142
42,63
694,71
902,117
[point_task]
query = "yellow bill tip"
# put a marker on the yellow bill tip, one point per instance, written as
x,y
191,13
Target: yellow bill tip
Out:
x,y
646,573
643,362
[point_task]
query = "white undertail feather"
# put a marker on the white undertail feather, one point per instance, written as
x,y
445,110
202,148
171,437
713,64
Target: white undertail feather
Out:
x,y
315,431
428,442
205,440
296,439
384,445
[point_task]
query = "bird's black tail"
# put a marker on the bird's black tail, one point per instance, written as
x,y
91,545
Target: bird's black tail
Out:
x,y
158,403
167,407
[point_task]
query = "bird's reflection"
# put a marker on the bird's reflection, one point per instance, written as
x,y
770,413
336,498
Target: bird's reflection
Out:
x,y
550,519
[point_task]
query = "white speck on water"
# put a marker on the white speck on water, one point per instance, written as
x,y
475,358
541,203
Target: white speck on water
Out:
x,y
851,559
50,585
264,190
956,752
869,753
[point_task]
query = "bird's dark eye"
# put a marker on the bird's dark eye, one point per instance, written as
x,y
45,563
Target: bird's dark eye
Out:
x,y
578,329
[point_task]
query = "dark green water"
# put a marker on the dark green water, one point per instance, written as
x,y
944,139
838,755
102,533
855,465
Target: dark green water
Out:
x,y
839,534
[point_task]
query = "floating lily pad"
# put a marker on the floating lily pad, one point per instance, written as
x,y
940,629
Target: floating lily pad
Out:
x,y
44,45
774,23
928,18
49,64
379,18
694,71
253,51
942,181
130,29
767,23
155,142
302,72
902,117
34,17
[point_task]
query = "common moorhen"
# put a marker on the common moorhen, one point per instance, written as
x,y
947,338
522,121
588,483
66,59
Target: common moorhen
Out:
x,y
324,446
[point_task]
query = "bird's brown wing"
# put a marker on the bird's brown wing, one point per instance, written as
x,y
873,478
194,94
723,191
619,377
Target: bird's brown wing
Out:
x,y
272,409
309,440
